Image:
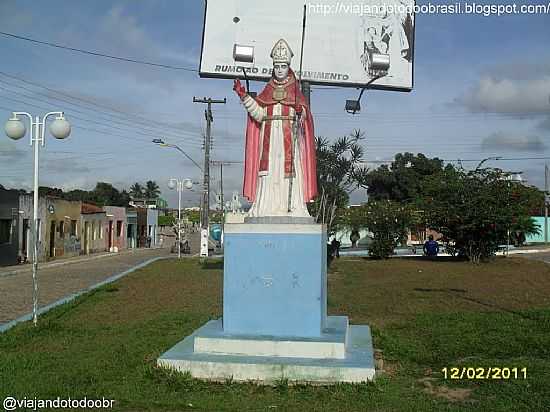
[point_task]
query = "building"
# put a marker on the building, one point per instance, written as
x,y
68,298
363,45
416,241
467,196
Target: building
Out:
x,y
131,228
58,228
152,226
538,238
93,220
9,223
61,229
115,229
141,226
158,203
25,227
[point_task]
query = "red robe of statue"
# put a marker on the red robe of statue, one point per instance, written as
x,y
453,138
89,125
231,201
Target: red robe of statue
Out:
x,y
257,146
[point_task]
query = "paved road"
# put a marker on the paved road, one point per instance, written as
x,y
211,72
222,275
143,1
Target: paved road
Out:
x,y
544,256
57,282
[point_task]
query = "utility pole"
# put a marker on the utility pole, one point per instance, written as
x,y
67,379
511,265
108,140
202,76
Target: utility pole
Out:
x,y
206,192
546,197
223,163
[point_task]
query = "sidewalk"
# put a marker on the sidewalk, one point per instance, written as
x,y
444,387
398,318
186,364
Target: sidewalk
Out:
x,y
408,253
27,267
57,280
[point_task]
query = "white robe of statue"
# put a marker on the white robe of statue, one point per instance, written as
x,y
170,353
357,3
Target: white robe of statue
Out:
x,y
273,186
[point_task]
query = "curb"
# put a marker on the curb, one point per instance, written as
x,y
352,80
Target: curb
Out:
x,y
6,326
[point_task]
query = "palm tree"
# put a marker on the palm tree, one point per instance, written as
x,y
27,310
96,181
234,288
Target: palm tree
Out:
x,y
136,191
152,190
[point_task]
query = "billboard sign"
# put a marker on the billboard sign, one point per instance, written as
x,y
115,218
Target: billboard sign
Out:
x,y
341,39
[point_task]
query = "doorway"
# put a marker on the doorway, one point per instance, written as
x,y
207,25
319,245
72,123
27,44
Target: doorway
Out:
x,y
110,235
52,239
25,240
86,238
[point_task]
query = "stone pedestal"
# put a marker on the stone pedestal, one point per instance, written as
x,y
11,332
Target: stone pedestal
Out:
x,y
275,323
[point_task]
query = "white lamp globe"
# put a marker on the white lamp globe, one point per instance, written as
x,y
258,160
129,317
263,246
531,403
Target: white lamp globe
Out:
x,y
15,129
172,184
188,184
60,128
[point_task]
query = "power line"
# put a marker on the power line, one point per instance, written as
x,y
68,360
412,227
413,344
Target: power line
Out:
x,y
192,144
126,119
130,123
98,54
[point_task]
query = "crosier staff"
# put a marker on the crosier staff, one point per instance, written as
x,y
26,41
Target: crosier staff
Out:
x,y
297,127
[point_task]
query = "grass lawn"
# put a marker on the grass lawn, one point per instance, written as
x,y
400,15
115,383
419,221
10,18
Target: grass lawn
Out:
x,y
425,316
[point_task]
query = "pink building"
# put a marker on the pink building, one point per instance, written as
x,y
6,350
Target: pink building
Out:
x,y
115,228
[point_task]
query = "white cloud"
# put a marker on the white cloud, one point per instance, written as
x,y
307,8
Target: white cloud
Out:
x,y
509,142
529,97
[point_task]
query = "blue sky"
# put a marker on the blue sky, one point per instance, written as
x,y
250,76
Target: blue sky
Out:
x,y
482,88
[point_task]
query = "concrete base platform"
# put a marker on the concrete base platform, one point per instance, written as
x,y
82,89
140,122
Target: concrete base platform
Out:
x,y
280,220
331,344
209,362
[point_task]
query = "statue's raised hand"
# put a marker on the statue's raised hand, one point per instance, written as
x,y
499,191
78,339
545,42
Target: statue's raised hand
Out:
x,y
239,88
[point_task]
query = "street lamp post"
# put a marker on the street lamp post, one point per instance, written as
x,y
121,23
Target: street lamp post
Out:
x,y
15,129
486,160
512,177
179,185
206,192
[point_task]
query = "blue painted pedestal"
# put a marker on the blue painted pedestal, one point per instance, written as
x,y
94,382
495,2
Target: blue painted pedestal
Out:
x,y
275,323
275,279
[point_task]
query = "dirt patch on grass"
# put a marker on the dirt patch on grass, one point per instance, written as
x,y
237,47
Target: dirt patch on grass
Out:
x,y
444,392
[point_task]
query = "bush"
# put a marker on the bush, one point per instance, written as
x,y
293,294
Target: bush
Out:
x,y
388,221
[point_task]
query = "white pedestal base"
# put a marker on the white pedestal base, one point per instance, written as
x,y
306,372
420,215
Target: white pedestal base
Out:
x,y
342,354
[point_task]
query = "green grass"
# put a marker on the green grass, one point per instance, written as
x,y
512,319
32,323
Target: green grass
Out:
x,y
425,316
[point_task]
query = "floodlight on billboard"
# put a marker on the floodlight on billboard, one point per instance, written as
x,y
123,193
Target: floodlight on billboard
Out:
x,y
348,43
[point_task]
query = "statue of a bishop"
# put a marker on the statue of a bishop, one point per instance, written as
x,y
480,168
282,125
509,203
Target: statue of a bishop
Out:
x,y
280,174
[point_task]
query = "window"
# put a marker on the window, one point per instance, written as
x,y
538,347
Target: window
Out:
x,y
93,230
73,227
119,228
100,230
5,231
62,229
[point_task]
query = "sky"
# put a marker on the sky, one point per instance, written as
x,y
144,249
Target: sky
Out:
x,y
481,89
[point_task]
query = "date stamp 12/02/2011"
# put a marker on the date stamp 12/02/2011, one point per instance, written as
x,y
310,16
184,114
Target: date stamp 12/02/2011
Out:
x,y
484,373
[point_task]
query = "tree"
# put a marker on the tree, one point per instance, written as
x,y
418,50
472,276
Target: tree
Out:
x,y
476,210
104,194
152,190
401,182
50,191
136,191
388,221
193,215
340,171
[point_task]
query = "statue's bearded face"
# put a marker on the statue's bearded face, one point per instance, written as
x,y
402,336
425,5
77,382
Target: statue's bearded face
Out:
x,y
280,71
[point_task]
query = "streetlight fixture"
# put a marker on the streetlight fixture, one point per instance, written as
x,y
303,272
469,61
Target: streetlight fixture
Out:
x,y
162,143
15,129
486,160
378,66
244,54
179,185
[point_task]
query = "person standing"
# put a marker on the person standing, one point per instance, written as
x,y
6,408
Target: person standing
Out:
x,y
431,247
